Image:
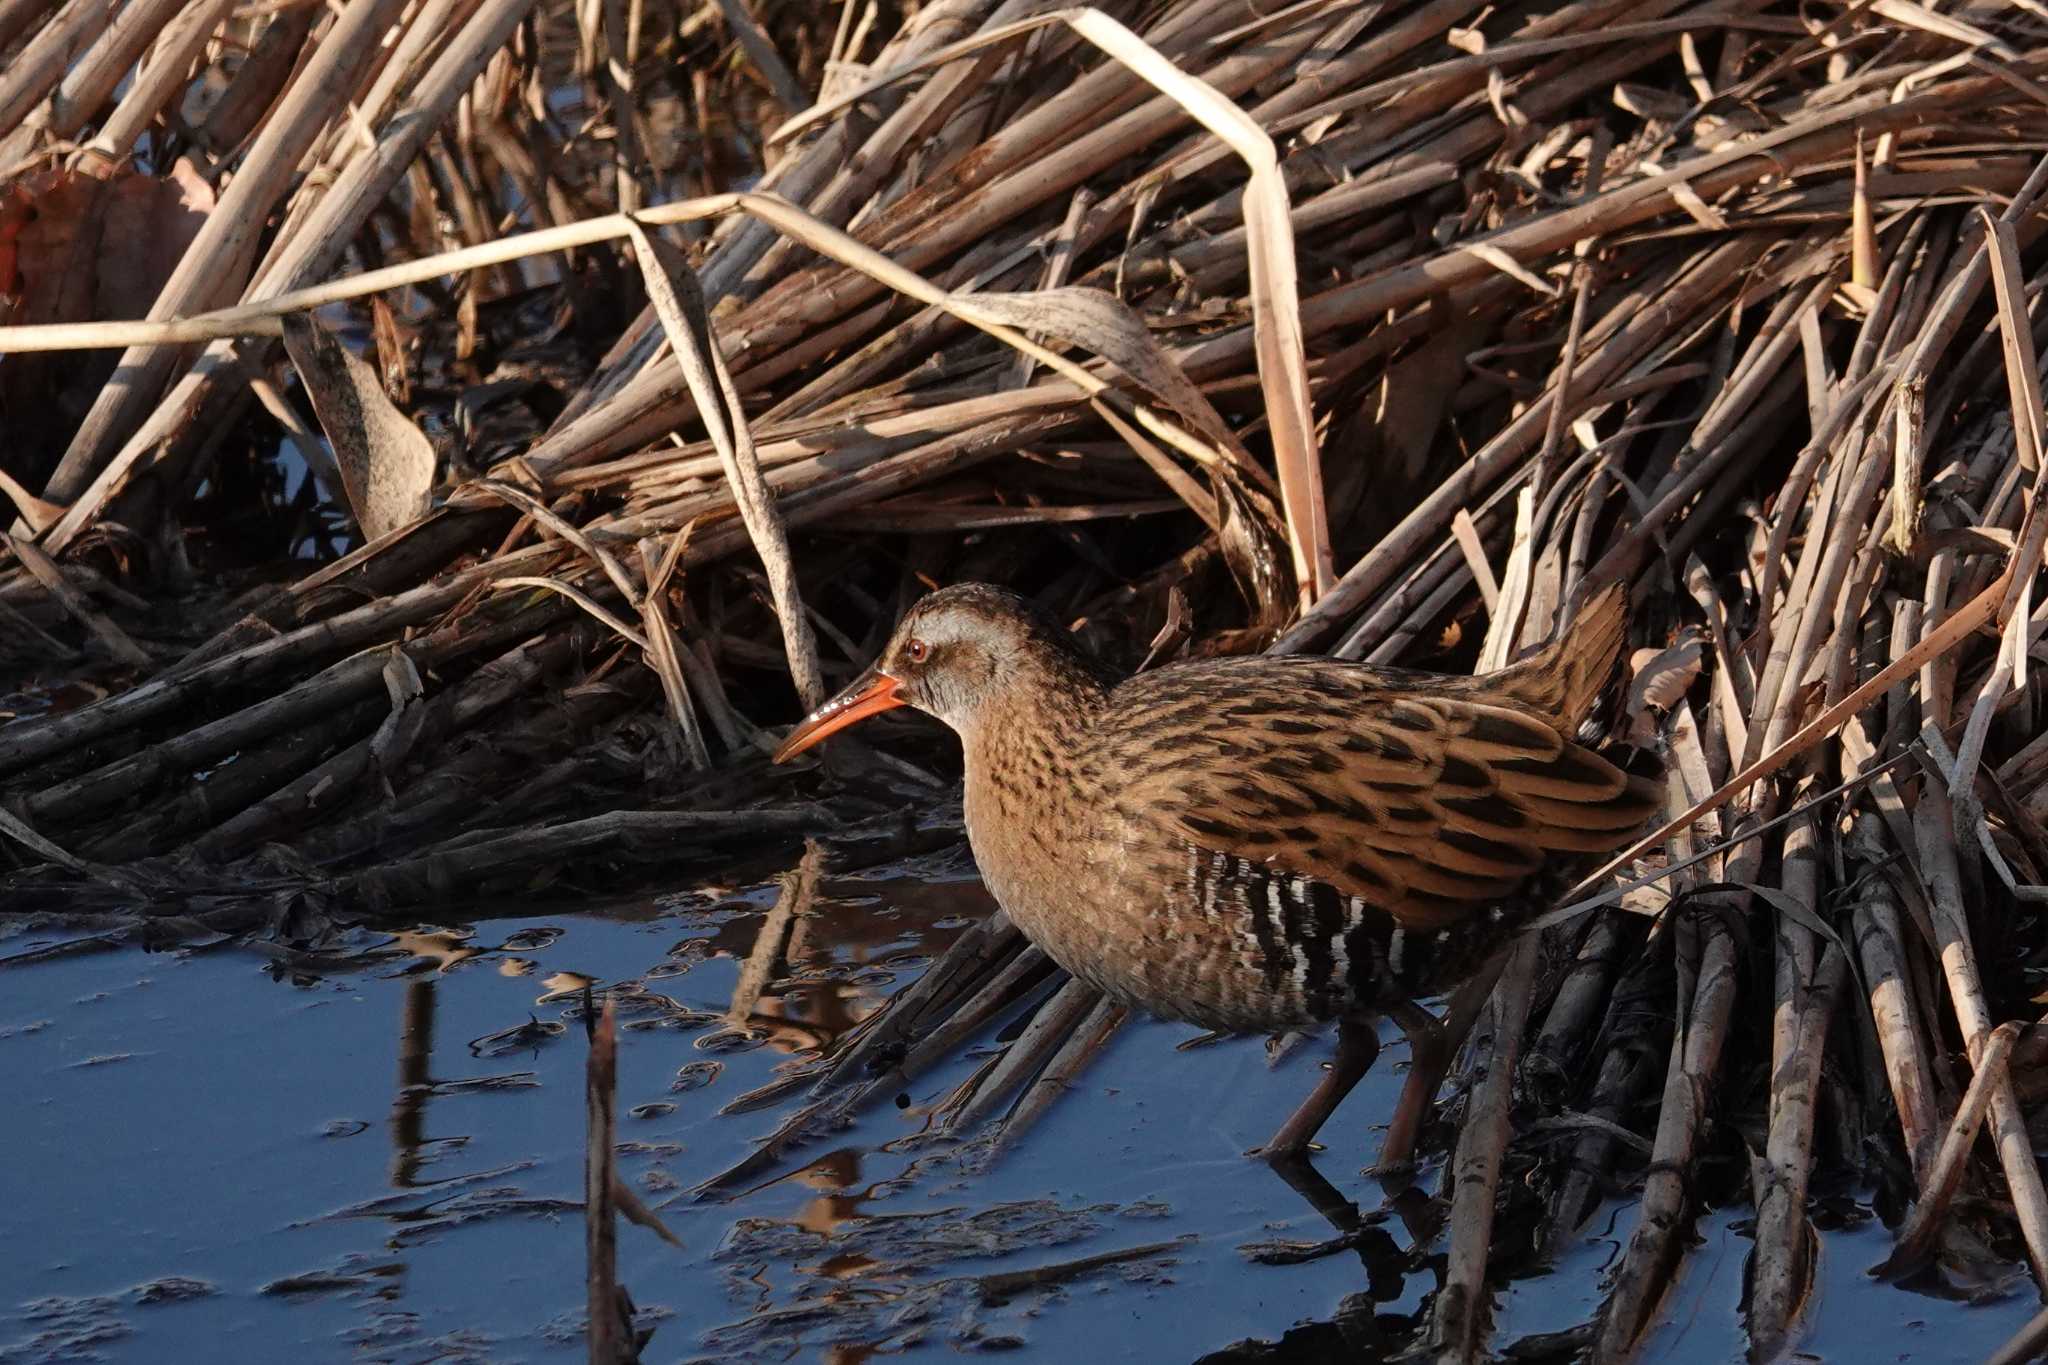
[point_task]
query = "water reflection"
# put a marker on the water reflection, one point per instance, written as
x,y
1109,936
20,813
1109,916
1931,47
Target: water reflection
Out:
x,y
415,1083
812,979
438,948
833,1175
1128,1225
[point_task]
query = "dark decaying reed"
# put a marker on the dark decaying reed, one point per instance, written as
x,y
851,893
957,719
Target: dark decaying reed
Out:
x,y
1735,299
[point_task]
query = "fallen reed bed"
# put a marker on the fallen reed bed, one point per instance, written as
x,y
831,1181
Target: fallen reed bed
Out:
x,y
1736,300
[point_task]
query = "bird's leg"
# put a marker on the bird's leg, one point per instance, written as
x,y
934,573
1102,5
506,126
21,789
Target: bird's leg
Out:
x,y
1432,1045
1358,1042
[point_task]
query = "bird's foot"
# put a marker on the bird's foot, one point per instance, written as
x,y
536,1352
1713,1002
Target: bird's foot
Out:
x,y
1393,1172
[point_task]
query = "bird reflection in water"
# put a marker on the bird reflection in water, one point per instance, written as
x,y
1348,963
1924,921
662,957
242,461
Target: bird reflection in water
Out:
x,y
1357,1331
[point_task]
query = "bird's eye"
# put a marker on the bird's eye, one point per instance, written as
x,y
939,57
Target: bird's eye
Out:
x,y
918,651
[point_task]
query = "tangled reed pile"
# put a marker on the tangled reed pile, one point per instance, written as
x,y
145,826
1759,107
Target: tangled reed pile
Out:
x,y
1736,299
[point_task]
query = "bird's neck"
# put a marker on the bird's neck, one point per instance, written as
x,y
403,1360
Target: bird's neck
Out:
x,y
1025,745
1038,713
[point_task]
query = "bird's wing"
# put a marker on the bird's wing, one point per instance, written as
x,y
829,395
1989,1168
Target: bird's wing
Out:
x,y
1428,801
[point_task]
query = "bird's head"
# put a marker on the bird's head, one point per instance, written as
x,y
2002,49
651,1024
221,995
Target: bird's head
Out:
x,y
955,655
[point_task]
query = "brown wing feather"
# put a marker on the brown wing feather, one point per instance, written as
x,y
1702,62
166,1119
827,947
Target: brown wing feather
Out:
x,y
1429,801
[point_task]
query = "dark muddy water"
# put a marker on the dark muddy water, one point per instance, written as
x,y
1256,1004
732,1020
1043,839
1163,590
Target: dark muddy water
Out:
x,y
378,1156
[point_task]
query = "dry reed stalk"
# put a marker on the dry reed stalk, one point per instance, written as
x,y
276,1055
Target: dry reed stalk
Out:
x,y
1057,1075
492,687
1898,1009
92,472
1627,1071
1705,953
1939,864
377,620
1461,1315
1916,1238
75,603
972,957
609,1329
225,248
1555,1049
1654,1248
41,64
1049,1031
161,80
1781,1269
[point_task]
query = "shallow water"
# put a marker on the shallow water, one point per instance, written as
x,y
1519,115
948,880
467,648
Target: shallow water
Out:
x,y
378,1156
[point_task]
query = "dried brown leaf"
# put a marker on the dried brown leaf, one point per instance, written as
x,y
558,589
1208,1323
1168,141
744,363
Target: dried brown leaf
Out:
x,y
1660,679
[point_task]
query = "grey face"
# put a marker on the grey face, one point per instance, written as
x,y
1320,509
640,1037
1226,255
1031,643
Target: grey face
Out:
x,y
954,649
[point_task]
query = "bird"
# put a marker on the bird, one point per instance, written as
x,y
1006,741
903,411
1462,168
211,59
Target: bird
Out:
x,y
1268,843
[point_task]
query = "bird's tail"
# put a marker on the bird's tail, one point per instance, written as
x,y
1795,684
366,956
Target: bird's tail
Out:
x,y
1565,679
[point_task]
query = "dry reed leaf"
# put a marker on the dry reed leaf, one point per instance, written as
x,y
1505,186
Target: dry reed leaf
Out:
x,y
1508,265
564,986
1503,629
563,527
2016,331
1474,550
581,599
1703,213
401,729
1251,550
59,234
392,340
386,462
2023,381
76,249
1276,307
658,564
36,514
629,1206
1102,323
1908,431
1942,26
847,250
679,301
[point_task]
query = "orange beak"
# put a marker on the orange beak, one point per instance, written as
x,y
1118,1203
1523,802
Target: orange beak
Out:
x,y
872,693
